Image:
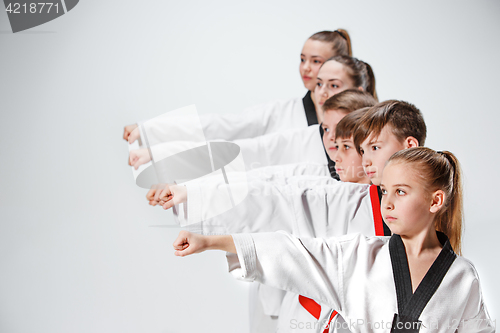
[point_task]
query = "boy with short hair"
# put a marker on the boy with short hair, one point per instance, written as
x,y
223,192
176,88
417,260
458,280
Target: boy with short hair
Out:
x,y
348,162
387,128
334,110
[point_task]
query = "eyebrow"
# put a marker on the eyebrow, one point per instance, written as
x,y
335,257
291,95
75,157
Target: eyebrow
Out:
x,y
314,56
320,79
396,185
374,142
346,140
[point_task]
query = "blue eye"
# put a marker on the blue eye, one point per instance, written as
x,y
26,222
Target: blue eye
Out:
x,y
375,147
302,60
347,147
400,192
334,86
319,84
384,192
317,62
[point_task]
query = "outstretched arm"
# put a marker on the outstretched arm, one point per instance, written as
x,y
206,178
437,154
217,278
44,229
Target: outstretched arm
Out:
x,y
308,267
261,151
306,206
252,122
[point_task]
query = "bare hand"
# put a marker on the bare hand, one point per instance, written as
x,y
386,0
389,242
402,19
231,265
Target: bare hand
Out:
x,y
188,243
138,157
153,194
166,195
172,195
127,130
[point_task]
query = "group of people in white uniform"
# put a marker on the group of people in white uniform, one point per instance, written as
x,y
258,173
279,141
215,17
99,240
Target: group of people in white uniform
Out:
x,y
350,223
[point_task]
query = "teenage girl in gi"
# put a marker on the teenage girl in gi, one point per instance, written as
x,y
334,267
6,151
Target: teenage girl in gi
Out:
x,y
413,281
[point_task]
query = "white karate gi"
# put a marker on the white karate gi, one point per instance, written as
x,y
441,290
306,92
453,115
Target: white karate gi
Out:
x,y
353,274
304,206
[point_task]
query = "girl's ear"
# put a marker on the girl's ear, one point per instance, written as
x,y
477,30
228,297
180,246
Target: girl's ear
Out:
x,y
411,142
437,201
361,89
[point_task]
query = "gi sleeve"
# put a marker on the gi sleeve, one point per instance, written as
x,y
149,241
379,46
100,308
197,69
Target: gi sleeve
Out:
x,y
309,267
255,121
475,318
280,148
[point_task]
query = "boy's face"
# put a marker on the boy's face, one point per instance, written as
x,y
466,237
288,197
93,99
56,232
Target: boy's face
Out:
x,y
348,163
377,151
330,120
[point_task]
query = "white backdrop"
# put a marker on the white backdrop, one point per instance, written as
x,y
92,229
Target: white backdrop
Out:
x,y
79,250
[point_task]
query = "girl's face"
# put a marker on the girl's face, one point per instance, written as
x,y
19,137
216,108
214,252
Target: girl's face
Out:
x,y
405,203
330,120
348,163
313,55
332,79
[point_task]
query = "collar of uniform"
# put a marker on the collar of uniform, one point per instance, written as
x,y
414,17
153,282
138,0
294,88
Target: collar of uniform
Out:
x,y
411,305
310,109
331,164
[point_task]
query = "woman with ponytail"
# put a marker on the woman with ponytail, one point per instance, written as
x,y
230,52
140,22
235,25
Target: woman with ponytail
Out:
x,y
277,115
413,281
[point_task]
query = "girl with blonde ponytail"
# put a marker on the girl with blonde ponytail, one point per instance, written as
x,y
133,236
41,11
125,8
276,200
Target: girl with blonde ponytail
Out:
x,y
439,171
412,281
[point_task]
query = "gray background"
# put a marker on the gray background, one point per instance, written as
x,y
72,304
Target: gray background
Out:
x,y
78,252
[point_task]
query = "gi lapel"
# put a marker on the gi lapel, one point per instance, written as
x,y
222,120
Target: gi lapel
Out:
x,y
411,305
331,164
310,109
312,119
